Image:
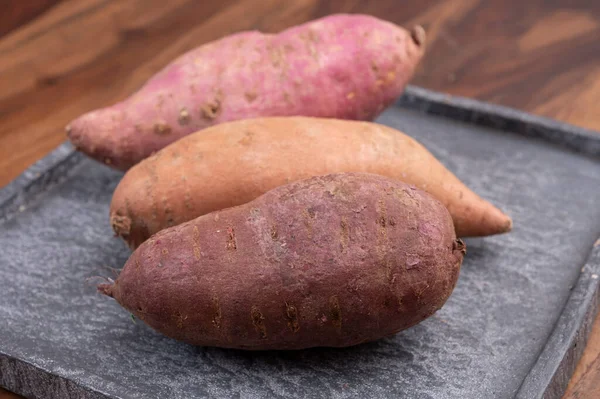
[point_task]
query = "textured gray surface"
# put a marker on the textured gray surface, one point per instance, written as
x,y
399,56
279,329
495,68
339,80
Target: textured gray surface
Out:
x,y
482,344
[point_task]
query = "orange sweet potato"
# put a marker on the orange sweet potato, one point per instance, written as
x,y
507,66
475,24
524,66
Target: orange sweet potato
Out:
x,y
333,260
233,163
340,66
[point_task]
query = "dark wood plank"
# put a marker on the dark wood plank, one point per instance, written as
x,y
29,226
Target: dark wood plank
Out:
x,y
540,56
585,382
18,12
4,394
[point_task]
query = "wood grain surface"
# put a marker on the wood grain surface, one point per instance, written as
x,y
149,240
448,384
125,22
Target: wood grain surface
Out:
x,y
18,12
541,56
4,394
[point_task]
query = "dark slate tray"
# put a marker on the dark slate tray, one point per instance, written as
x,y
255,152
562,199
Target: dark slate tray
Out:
x,y
514,327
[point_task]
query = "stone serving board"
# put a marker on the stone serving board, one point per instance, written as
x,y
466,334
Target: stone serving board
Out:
x,y
515,325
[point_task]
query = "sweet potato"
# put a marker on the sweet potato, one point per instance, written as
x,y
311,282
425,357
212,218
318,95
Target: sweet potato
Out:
x,y
332,260
341,66
233,163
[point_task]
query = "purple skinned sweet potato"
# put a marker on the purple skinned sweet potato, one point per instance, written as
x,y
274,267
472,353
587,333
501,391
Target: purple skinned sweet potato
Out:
x,y
341,66
334,260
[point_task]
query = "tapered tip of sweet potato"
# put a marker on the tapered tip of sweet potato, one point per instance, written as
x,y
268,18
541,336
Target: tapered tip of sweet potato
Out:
x,y
121,225
75,139
460,246
508,225
106,289
418,35
78,134
491,221
97,139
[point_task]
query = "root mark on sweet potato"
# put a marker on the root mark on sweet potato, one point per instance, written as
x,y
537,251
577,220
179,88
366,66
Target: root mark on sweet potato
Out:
x,y
291,314
258,321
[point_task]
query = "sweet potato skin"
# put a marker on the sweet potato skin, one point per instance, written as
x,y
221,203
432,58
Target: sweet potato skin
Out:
x,y
341,66
334,260
236,162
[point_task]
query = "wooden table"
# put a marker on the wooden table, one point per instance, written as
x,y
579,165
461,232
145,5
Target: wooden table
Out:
x,y
73,56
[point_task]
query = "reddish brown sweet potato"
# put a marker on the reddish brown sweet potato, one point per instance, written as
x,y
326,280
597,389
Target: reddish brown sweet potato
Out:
x,y
328,261
233,163
340,66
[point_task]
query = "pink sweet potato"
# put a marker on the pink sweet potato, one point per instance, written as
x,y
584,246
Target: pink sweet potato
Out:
x,y
342,66
233,163
329,261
